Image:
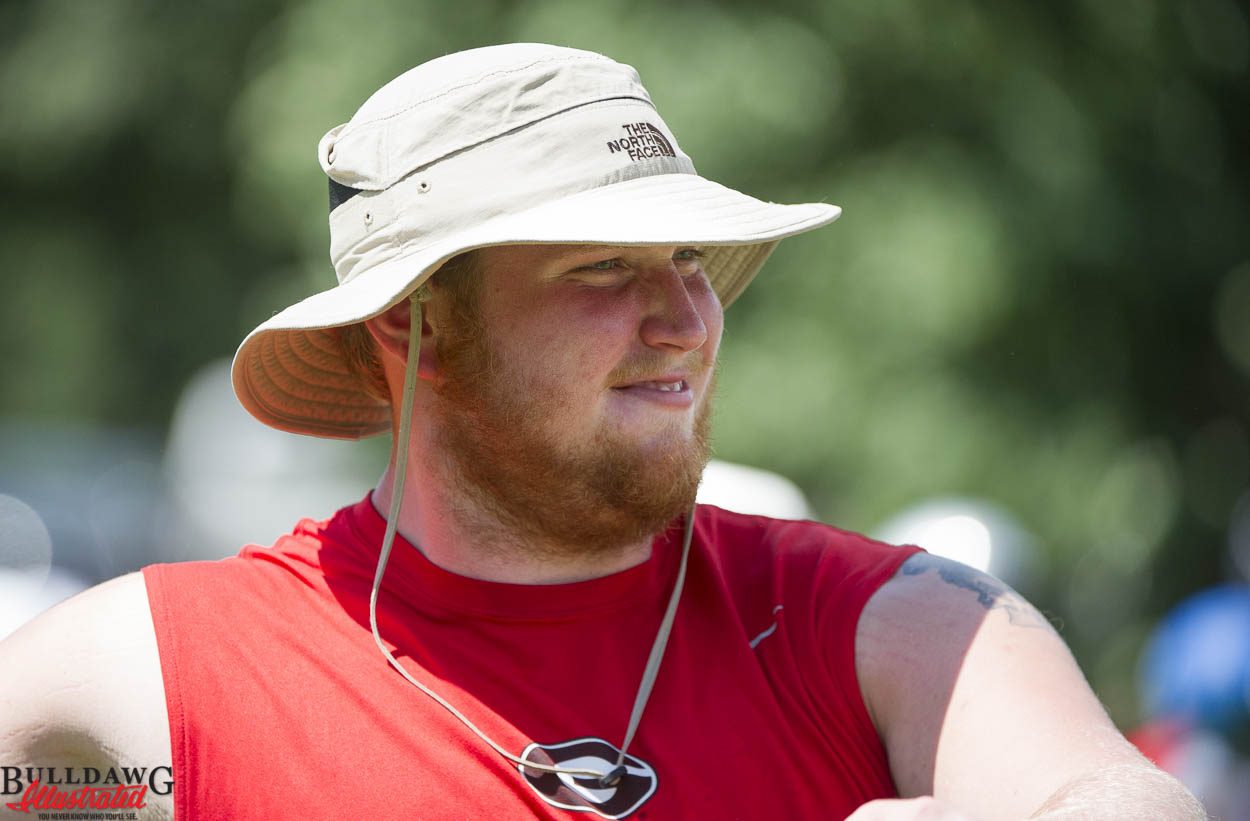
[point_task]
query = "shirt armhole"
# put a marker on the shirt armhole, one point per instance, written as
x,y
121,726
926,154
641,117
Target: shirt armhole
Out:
x,y
853,590
155,578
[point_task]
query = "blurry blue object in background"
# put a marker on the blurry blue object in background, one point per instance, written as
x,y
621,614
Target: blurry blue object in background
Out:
x,y
1197,663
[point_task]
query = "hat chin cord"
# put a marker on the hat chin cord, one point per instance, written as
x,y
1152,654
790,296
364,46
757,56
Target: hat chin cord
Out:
x,y
602,780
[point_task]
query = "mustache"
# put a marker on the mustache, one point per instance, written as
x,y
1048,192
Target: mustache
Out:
x,y
650,366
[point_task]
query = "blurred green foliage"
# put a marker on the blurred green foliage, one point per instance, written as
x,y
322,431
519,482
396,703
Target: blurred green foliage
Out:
x,y
1039,294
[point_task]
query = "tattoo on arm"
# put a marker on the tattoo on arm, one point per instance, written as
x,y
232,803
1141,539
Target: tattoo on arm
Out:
x,y
992,594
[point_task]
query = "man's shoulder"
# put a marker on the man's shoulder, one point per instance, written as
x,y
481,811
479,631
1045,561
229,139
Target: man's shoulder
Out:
x,y
82,683
300,554
117,608
790,540
797,560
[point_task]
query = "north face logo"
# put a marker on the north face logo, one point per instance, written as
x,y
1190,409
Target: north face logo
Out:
x,y
642,141
572,792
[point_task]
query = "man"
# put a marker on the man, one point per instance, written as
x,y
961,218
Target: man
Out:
x,y
528,616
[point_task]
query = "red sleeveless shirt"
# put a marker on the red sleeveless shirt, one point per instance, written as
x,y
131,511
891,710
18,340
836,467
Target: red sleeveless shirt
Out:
x,y
281,706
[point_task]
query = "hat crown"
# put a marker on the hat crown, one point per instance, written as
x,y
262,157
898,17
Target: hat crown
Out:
x,y
461,100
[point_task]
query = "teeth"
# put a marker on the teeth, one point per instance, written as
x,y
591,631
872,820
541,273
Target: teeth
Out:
x,y
670,387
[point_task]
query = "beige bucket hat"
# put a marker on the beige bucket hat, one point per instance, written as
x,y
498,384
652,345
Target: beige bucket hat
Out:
x,y
522,143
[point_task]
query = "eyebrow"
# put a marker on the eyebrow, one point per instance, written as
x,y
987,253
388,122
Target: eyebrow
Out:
x,y
574,251
591,246
582,248
578,253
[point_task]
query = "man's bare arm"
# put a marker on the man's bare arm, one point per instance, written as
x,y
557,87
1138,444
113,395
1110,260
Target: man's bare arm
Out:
x,y
981,705
81,687
1139,789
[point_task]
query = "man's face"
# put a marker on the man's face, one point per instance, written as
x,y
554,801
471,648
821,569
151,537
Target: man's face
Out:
x,y
574,400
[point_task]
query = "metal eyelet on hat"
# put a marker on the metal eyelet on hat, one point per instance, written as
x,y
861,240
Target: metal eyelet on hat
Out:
x,y
423,187
368,218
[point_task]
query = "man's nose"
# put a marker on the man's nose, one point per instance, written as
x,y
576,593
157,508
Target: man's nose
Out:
x,y
672,321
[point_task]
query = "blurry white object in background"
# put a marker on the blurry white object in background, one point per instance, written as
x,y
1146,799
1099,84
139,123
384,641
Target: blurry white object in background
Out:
x,y
96,489
750,490
234,481
972,531
25,544
21,599
29,583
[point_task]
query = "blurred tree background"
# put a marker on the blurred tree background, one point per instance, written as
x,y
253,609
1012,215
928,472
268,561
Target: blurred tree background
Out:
x,y
1038,296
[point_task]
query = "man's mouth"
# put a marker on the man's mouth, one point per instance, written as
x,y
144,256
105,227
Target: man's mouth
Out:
x,y
667,386
670,390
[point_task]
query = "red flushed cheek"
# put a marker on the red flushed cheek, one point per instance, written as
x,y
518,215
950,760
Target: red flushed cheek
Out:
x,y
590,324
567,361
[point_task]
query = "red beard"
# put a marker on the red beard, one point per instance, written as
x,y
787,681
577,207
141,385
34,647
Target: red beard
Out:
x,y
577,498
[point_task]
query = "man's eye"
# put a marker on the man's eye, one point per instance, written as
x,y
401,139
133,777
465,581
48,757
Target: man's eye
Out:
x,y
602,265
687,261
603,272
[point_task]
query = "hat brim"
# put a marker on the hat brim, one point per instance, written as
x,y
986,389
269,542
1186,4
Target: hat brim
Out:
x,y
289,372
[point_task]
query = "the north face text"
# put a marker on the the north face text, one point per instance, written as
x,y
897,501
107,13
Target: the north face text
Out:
x,y
642,141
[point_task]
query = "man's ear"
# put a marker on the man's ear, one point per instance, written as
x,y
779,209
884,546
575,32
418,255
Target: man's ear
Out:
x,y
390,330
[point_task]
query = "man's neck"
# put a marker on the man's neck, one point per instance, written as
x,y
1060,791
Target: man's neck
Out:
x,y
463,538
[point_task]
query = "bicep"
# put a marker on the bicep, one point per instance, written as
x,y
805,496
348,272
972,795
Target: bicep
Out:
x,y
975,695
82,684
